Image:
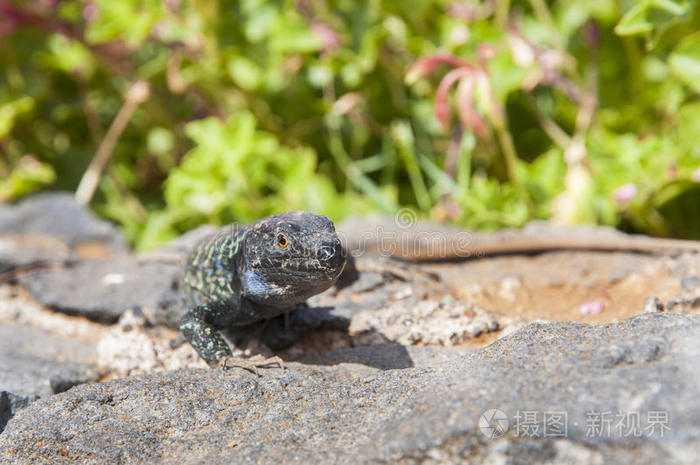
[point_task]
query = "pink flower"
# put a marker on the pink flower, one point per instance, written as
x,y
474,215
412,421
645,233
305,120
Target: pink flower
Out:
x,y
330,40
91,12
460,35
523,52
485,52
696,175
173,5
672,170
593,307
625,193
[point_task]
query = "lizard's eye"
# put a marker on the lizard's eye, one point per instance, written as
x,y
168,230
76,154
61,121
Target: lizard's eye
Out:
x,y
282,241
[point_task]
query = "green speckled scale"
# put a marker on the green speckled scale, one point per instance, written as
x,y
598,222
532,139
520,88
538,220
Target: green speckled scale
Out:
x,y
210,267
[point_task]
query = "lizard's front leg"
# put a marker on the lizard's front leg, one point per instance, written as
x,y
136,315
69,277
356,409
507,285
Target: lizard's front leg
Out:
x,y
198,327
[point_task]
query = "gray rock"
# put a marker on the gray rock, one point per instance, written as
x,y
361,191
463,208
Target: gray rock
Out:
x,y
103,289
28,251
10,404
133,346
58,215
182,245
35,363
388,357
53,228
278,334
445,322
426,413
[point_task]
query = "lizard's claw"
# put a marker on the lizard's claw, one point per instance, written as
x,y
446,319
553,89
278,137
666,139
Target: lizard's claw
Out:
x,y
251,364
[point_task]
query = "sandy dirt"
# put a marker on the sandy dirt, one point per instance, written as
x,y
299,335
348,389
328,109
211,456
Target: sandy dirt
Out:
x,y
561,286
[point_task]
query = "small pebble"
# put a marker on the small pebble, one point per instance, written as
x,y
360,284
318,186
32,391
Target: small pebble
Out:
x,y
652,305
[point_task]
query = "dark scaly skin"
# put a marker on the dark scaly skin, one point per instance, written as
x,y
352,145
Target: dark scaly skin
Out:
x,y
247,273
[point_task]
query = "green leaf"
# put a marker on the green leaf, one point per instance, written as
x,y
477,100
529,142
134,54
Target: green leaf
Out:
x,y
260,22
10,111
672,6
294,38
244,72
652,18
635,21
70,56
28,176
160,141
130,20
685,61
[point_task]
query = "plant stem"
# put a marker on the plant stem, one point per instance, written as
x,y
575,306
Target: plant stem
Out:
x,y
137,94
403,135
549,126
502,9
356,177
464,166
454,149
509,154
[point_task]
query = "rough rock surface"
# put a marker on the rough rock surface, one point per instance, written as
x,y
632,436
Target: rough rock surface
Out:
x,y
57,215
364,383
27,251
102,290
133,346
10,404
445,322
53,228
35,363
430,412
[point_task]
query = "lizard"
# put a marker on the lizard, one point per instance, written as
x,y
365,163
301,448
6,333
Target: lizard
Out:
x,y
244,274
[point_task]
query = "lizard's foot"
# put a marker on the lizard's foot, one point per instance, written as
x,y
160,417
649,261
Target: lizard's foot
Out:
x,y
251,364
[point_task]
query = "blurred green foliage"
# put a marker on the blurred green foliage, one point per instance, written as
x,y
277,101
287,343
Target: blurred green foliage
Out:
x,y
565,109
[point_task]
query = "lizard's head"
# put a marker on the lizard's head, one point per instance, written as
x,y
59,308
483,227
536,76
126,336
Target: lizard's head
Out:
x,y
290,257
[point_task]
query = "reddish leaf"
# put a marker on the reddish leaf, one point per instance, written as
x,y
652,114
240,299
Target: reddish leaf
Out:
x,y
442,105
423,67
468,114
486,98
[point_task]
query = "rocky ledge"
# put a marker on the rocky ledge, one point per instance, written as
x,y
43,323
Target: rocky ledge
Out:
x,y
561,393
569,356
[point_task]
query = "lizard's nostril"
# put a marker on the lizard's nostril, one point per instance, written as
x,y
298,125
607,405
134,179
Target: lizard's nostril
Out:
x,y
330,251
326,252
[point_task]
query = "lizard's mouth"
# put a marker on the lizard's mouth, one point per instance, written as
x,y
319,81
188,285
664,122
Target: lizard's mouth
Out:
x,y
307,268
290,282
